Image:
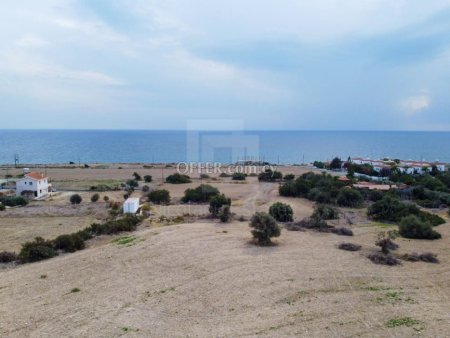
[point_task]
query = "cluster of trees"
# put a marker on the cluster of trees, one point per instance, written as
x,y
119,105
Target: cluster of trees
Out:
x,y
322,188
335,164
161,196
270,175
202,194
414,223
13,201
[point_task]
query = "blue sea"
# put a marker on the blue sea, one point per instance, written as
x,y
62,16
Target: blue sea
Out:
x,y
284,147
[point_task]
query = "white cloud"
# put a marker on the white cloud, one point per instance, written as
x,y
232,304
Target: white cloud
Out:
x,y
31,42
414,105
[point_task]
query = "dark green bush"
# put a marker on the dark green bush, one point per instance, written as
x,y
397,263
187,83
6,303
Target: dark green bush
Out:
x,y
159,196
148,178
75,199
238,177
264,228
132,183
225,214
375,195
289,177
325,212
349,197
413,227
270,175
178,179
2,207
128,223
281,212
136,176
37,250
69,243
13,201
95,198
203,193
216,203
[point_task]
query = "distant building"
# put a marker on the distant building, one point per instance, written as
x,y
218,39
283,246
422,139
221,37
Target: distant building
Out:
x,y
131,206
33,185
404,166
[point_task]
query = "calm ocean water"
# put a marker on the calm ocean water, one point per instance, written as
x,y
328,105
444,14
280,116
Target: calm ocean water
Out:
x,y
107,146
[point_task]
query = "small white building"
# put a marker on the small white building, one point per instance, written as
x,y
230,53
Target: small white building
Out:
x,y
131,205
33,185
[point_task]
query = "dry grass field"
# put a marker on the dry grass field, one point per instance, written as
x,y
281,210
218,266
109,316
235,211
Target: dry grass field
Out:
x,y
205,279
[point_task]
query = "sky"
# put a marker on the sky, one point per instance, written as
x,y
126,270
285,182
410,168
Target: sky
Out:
x,y
287,64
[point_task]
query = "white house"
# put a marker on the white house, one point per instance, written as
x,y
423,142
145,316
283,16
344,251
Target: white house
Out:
x,y
34,185
131,206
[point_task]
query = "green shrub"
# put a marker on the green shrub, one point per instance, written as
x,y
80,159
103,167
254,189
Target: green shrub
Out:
x,y
203,193
281,212
225,214
270,175
136,176
349,197
128,223
159,196
75,199
2,207
204,176
375,195
148,178
224,175
216,203
178,179
37,250
132,183
145,188
264,228
289,177
69,243
95,198
413,227
238,177
325,212
106,198
13,201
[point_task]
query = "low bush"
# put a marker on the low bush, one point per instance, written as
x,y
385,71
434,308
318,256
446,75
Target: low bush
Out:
x,y
427,257
204,176
281,212
37,250
2,207
148,178
385,241
136,176
325,212
106,198
380,258
270,175
238,177
264,228
75,199
7,257
159,196
128,223
178,179
132,184
203,193
413,227
224,175
69,243
289,177
349,247
13,201
95,198
216,203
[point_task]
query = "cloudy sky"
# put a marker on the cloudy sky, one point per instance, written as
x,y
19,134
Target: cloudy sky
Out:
x,y
287,64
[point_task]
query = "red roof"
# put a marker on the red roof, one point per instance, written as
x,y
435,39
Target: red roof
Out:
x,y
36,176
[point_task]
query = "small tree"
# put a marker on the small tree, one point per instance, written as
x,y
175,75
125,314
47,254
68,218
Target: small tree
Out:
x,y
106,198
281,212
178,179
159,196
385,241
148,178
203,193
75,199
136,176
95,198
348,197
225,214
264,228
132,183
336,163
216,203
